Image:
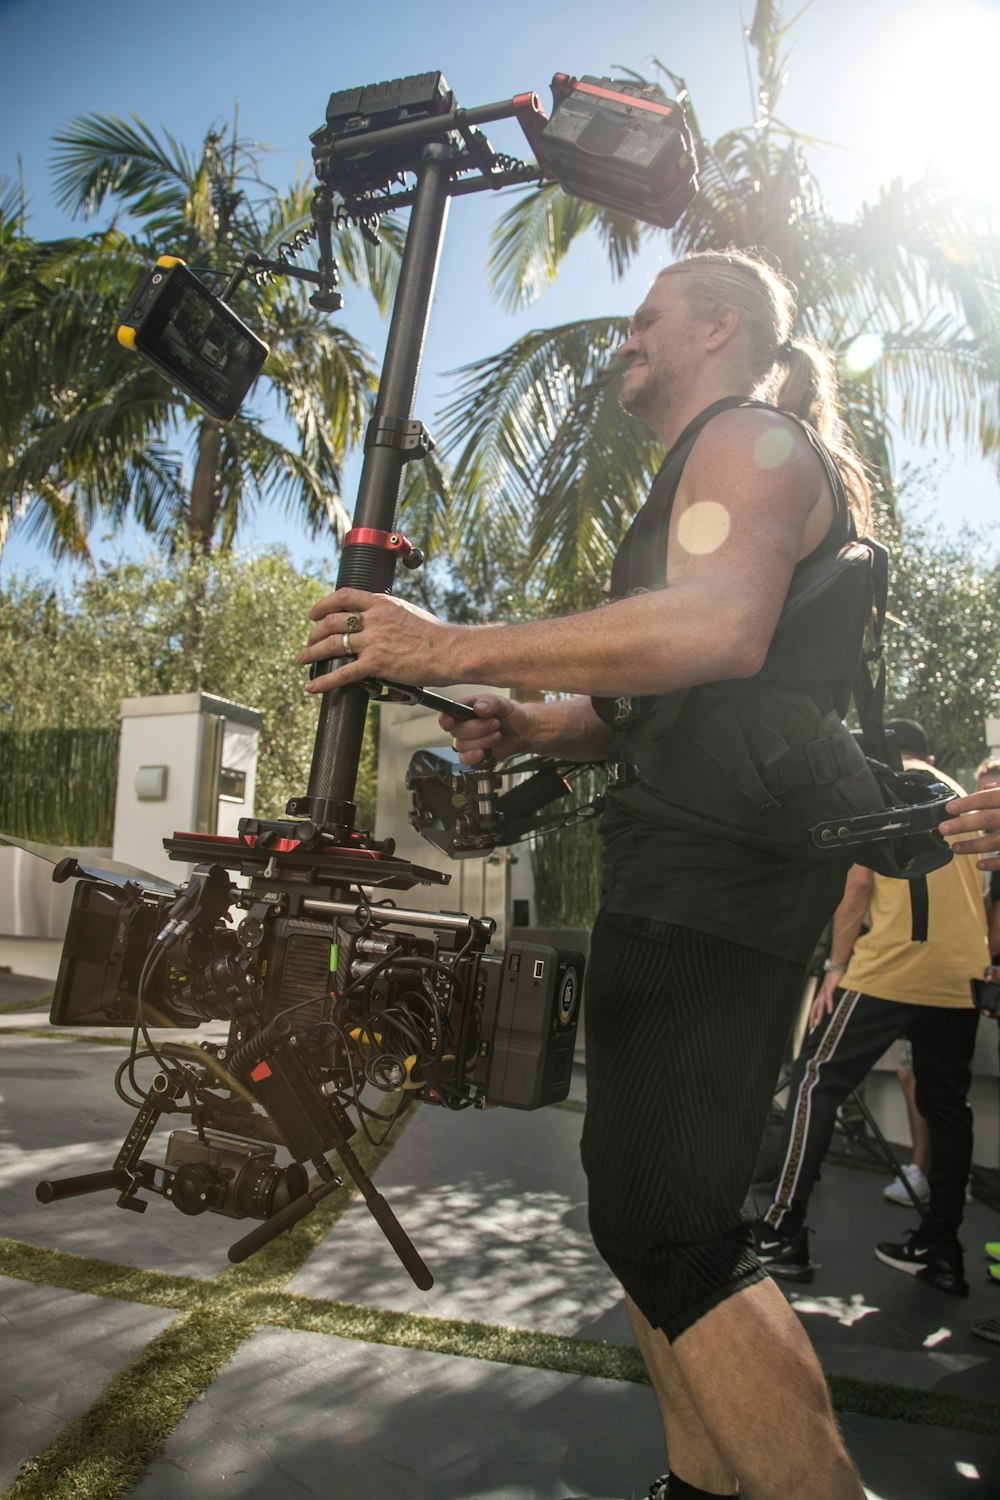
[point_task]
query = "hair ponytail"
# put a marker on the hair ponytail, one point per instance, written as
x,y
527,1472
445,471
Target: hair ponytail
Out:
x,y
804,383
795,375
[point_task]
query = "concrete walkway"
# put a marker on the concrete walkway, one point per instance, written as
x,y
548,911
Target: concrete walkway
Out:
x,y
350,1383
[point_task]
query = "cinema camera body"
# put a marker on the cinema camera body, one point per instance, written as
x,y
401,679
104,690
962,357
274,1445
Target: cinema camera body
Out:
x,y
327,995
331,994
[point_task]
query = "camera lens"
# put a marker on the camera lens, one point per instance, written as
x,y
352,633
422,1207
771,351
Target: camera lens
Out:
x,y
261,1189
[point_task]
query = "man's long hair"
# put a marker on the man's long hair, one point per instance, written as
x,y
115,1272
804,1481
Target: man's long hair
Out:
x,y
795,375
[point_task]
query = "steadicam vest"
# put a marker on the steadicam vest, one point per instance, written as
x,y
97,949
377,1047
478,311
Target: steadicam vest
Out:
x,y
766,759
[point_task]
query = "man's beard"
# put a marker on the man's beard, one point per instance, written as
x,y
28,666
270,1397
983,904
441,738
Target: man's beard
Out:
x,y
655,394
658,392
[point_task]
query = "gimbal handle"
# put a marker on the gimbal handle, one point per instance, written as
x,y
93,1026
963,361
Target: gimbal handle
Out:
x,y
383,691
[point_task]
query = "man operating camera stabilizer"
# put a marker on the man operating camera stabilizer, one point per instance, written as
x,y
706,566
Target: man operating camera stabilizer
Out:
x,y
699,950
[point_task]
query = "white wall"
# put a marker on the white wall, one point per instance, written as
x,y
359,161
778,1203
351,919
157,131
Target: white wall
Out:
x,y
181,732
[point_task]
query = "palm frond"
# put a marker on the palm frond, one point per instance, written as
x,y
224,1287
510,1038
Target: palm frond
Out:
x,y
100,155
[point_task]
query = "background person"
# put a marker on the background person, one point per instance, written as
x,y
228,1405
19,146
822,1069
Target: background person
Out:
x,y
881,985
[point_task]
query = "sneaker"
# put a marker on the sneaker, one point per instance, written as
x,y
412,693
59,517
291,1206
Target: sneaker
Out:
x,y
896,1191
986,1328
784,1255
935,1265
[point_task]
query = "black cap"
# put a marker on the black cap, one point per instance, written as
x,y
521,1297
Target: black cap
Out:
x,y
911,737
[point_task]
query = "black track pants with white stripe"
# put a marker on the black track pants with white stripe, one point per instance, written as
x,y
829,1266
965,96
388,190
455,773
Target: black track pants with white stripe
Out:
x,y
834,1060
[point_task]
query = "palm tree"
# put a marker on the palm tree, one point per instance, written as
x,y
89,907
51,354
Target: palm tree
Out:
x,y
538,448
91,430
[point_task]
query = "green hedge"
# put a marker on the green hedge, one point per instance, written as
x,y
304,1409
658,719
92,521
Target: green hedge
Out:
x,y
566,862
57,786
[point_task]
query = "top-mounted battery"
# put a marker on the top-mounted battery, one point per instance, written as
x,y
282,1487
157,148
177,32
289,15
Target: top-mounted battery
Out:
x,y
615,144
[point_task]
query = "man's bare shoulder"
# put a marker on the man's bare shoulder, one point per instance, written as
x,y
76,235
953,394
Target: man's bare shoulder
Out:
x,y
767,438
756,453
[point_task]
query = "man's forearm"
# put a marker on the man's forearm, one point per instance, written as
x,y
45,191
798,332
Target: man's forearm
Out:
x,y
849,918
570,729
654,643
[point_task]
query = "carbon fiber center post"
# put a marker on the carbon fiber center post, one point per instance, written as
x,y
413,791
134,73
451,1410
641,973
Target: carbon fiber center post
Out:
x,y
337,750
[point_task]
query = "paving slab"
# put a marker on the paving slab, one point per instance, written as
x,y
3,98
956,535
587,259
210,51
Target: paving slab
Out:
x,y
22,989
59,1116
870,1322
495,1202
59,1351
298,1416
302,1415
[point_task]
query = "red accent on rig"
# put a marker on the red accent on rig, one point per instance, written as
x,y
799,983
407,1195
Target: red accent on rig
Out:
x,y
260,1072
632,99
530,115
389,541
280,846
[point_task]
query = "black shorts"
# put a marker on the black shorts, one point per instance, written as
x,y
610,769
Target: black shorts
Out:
x,y
685,1037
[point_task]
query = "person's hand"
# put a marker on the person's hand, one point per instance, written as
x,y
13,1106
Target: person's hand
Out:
x,y
501,727
991,975
823,1000
979,815
376,636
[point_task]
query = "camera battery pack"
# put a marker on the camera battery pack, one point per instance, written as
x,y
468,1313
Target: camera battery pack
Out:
x,y
534,1036
618,145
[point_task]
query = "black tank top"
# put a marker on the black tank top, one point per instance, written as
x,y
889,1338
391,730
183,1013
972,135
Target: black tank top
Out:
x,y
663,863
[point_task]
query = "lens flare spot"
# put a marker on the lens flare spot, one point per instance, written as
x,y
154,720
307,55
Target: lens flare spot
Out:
x,y
968,1471
772,448
861,354
703,527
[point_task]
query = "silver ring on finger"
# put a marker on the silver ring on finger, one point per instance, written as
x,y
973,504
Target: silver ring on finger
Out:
x,y
345,641
355,624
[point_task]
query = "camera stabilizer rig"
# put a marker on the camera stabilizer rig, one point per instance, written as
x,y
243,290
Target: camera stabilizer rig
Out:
x,y
327,990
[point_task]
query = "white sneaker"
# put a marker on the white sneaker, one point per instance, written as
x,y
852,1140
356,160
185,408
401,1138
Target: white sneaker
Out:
x,y
896,1191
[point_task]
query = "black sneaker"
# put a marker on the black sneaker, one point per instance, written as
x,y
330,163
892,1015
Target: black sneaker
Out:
x,y
935,1265
986,1328
784,1255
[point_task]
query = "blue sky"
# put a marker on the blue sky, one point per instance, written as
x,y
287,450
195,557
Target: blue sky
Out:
x,y
889,84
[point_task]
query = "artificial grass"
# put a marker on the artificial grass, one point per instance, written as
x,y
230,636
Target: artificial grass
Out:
x,y
104,1452
253,1305
14,1007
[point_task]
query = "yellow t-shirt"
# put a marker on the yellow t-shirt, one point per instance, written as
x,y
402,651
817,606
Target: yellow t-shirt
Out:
x,y
887,963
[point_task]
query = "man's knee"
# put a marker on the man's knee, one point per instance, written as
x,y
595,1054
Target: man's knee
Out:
x,y
675,1282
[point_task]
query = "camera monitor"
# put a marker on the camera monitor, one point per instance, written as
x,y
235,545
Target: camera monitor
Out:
x,y
193,337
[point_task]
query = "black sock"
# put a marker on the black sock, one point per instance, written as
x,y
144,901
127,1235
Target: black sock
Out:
x,y
679,1489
